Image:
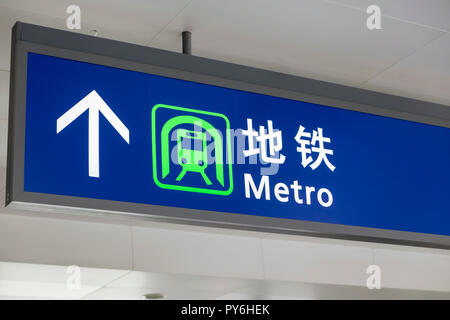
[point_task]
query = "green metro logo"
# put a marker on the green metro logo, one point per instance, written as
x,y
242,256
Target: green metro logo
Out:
x,y
191,170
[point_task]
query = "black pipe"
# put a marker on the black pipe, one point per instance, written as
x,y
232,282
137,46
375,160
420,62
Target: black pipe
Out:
x,y
187,47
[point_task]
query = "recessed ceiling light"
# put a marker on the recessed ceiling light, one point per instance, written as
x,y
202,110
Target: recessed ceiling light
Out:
x,y
153,296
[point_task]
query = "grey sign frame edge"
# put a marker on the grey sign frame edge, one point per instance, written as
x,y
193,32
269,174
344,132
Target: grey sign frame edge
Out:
x,y
71,45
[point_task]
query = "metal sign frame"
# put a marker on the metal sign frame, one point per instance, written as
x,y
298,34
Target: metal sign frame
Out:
x,y
31,38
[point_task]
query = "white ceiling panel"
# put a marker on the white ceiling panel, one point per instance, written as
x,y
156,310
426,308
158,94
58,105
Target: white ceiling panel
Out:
x,y
432,13
112,293
304,290
41,290
136,19
66,242
412,270
307,37
424,75
325,40
35,281
139,279
314,262
239,256
48,281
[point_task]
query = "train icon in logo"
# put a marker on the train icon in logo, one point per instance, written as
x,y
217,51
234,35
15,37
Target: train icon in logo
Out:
x,y
191,150
190,157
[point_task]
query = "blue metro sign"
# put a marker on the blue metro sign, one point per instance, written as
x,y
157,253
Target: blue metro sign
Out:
x,y
100,132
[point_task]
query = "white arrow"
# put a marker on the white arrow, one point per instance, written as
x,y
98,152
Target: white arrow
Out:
x,y
94,103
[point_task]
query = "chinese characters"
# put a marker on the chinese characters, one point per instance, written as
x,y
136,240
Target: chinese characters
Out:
x,y
317,144
268,144
272,137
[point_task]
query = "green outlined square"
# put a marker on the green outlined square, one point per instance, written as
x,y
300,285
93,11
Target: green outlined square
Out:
x,y
226,164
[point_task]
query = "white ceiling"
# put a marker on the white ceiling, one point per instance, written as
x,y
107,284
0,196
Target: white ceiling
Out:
x,y
431,13
321,39
37,281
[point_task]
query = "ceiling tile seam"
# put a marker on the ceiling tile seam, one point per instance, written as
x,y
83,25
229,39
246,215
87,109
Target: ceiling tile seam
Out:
x,y
402,58
105,285
170,21
386,16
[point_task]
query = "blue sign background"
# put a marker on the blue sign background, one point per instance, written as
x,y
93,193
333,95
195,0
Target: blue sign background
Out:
x,y
390,173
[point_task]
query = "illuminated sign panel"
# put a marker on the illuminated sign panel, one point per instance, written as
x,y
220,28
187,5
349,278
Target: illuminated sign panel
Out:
x,y
103,136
